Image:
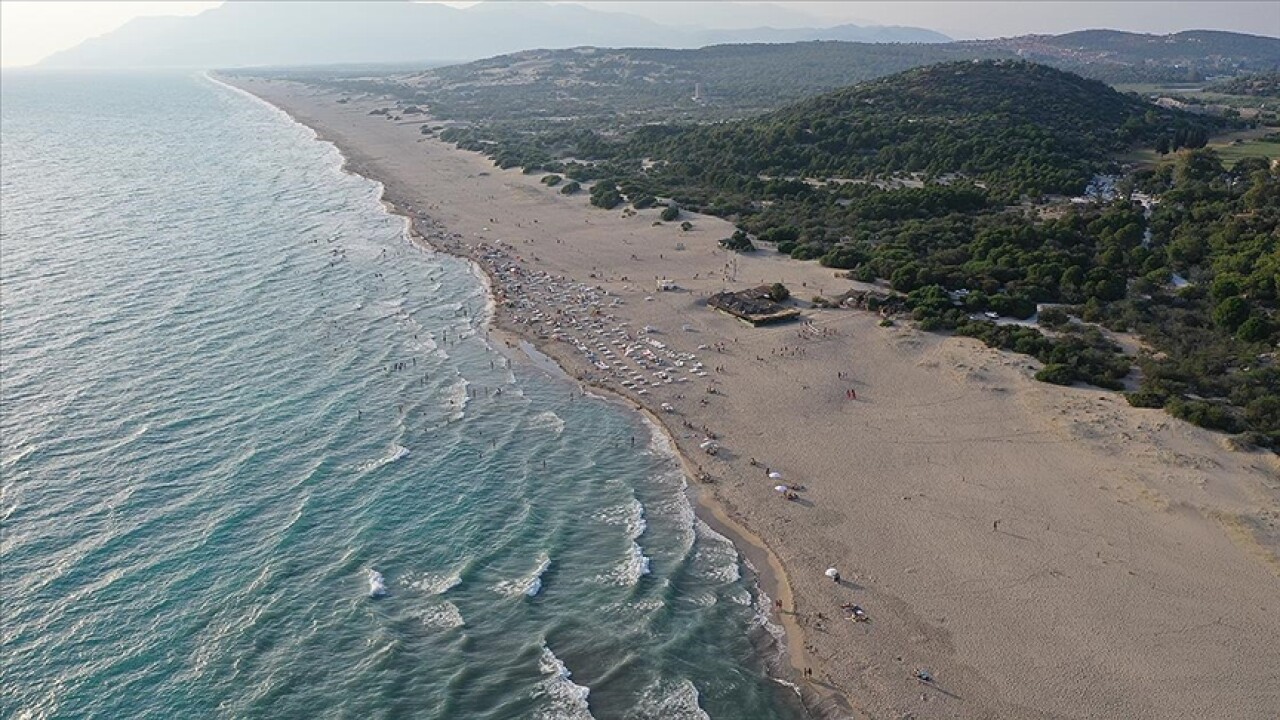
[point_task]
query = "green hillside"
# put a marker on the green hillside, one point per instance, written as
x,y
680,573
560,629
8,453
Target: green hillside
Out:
x,y
625,87
1018,127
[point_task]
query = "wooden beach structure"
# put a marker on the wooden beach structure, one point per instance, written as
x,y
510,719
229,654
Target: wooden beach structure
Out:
x,y
753,305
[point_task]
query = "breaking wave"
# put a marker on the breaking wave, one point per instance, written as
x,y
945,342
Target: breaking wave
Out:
x,y
566,700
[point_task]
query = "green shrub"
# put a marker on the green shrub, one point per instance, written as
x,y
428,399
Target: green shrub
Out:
x,y
1053,318
1205,414
1058,374
738,242
1147,398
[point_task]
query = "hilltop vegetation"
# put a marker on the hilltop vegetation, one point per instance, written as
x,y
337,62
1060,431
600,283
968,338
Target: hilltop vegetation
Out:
x,y
1018,127
635,86
536,90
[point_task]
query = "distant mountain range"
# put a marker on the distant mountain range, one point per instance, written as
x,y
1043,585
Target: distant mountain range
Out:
x,y
1189,56
247,34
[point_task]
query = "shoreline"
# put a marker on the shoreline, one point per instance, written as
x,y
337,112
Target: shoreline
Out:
x,y
771,574
906,531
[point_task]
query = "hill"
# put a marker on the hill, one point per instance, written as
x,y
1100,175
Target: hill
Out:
x,y
1187,46
1019,127
653,84
244,34
1125,57
533,89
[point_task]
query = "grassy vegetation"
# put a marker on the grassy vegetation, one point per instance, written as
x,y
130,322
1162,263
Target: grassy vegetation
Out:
x,y
1230,147
1232,152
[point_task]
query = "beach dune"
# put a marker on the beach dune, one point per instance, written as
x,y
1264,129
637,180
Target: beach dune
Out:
x,y
1021,550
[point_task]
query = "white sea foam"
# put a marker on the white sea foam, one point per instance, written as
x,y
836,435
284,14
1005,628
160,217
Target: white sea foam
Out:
x,y
764,616
530,584
629,514
659,441
716,556
424,345
629,570
787,684
490,299
443,615
437,583
548,419
703,599
677,700
566,700
377,585
636,564
646,606
457,399
397,452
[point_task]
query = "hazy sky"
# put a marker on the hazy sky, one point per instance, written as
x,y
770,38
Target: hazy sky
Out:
x,y
31,30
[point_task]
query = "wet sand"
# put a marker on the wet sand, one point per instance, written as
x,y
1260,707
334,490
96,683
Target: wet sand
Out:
x,y
1042,551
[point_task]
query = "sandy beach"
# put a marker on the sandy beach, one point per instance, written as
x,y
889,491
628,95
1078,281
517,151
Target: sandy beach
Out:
x,y
1037,551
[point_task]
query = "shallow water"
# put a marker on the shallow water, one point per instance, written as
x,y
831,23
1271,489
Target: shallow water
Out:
x,y
237,404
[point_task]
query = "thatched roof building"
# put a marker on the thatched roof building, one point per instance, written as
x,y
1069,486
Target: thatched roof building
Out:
x,y
753,305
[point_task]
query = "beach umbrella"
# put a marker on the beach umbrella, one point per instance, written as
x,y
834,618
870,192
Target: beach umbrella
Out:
x,y
781,488
775,474
832,572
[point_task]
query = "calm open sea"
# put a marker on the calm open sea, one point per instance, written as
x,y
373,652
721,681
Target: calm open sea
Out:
x,y
236,401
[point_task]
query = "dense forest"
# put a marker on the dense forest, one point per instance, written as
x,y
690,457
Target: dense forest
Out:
x,y
1012,127
1017,127
1214,337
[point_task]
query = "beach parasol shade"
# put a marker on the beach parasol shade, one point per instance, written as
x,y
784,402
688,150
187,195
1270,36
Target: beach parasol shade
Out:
x,y
781,488
775,474
832,572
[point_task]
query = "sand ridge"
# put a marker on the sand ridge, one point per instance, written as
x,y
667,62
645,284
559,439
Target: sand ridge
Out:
x,y
1041,551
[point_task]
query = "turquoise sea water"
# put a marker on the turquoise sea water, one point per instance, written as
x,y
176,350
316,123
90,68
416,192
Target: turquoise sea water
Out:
x,y
232,392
